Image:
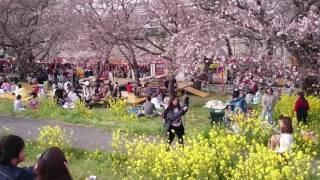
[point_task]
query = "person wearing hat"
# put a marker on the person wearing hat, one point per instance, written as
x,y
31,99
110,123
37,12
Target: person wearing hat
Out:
x,y
12,153
87,92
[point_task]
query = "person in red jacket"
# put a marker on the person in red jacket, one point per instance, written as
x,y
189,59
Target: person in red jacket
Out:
x,y
129,87
301,108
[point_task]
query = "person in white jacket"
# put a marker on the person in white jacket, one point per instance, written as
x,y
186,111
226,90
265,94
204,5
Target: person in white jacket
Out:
x,y
71,100
87,92
282,142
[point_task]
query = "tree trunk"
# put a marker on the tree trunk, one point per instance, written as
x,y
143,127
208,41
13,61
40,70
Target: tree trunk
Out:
x,y
228,44
270,47
25,65
301,70
99,71
136,75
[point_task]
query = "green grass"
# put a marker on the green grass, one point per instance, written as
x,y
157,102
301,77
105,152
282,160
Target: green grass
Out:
x,y
195,121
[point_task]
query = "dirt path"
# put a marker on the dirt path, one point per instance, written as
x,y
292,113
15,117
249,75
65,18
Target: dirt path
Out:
x,y
83,137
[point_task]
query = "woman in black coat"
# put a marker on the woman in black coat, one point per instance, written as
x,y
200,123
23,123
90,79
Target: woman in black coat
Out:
x,y
173,120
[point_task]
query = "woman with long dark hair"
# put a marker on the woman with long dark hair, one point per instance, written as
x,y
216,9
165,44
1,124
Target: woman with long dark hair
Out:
x,y
301,108
173,119
52,165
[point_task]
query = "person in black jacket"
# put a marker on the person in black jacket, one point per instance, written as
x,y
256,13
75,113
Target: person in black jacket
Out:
x,y
173,120
11,154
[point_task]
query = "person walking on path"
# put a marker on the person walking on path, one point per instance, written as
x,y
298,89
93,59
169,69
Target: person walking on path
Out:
x,y
173,120
301,108
268,103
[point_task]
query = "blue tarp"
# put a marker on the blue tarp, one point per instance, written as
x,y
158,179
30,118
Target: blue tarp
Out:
x,y
240,103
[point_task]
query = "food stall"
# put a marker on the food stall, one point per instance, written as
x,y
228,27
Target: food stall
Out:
x,y
158,67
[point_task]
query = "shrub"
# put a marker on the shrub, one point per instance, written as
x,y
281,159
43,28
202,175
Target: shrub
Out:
x,y
219,155
253,128
262,163
97,155
286,105
53,136
118,108
81,109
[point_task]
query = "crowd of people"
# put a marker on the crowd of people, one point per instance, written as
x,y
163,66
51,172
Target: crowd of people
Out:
x,y
244,72
68,90
242,103
15,88
247,72
50,165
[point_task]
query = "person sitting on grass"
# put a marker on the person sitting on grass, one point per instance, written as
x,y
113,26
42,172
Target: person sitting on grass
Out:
x,y
282,142
156,102
116,91
33,102
20,91
12,153
101,92
6,86
149,108
52,165
147,90
17,105
87,93
59,97
71,100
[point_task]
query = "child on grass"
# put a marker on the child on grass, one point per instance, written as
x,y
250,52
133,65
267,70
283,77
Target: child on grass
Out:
x,y
33,102
17,105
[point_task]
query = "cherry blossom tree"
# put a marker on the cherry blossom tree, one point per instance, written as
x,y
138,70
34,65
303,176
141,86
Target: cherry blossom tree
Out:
x,y
196,27
30,29
112,23
293,24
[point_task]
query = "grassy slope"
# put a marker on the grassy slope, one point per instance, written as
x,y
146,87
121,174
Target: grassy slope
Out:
x,y
196,119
